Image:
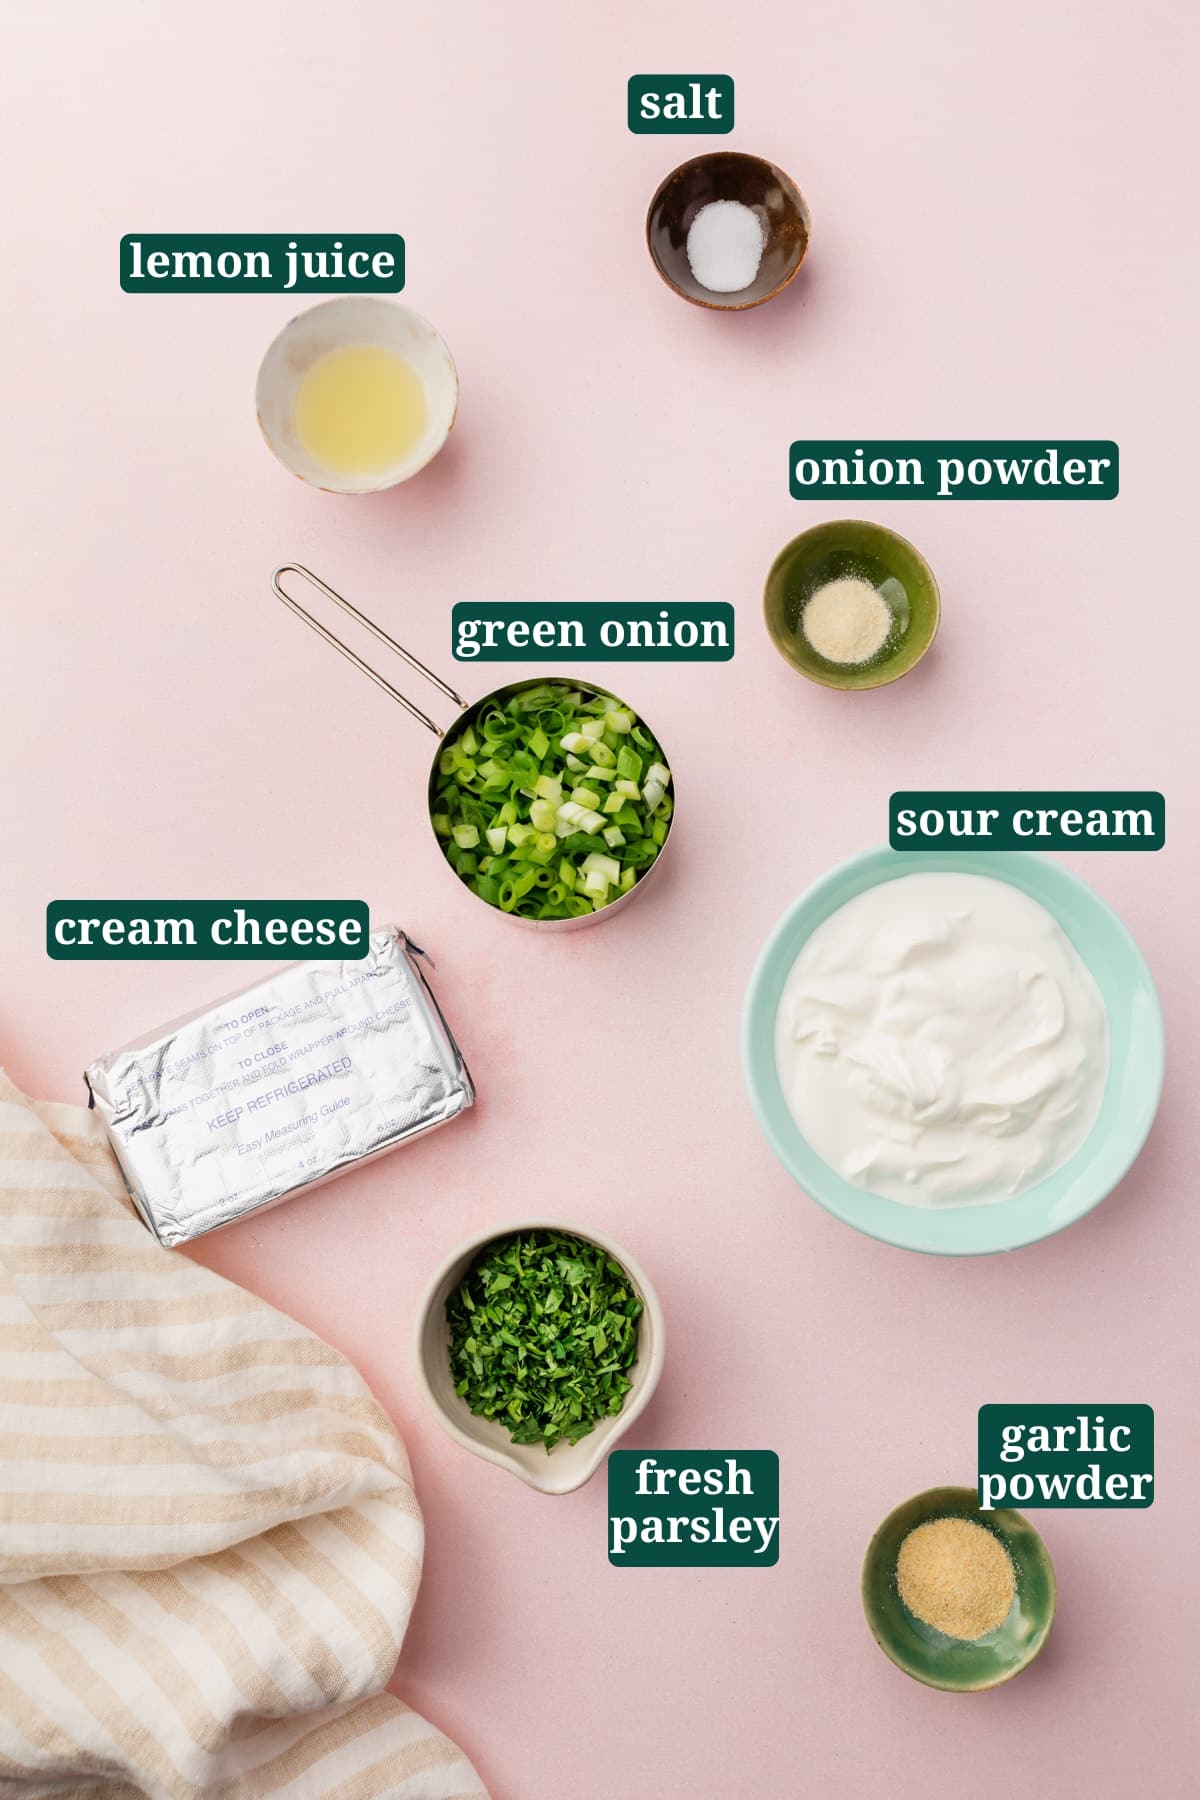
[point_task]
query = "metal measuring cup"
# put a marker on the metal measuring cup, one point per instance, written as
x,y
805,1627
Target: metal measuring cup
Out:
x,y
470,711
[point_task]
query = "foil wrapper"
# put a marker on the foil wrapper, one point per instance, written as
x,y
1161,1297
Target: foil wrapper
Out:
x,y
310,1072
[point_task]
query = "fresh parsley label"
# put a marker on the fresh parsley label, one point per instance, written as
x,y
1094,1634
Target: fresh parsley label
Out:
x,y
693,1508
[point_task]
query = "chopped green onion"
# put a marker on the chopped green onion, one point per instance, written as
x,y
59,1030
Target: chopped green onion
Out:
x,y
607,866
538,802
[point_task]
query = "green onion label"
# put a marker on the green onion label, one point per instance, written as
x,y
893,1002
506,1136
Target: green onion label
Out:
x,y
1089,1456
679,631
206,930
675,104
261,263
1021,819
690,1509
955,469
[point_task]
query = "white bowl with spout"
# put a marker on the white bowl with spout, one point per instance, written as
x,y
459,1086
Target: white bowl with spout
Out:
x,y
567,1466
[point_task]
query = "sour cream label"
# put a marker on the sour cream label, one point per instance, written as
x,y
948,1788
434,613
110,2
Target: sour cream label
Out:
x,y
940,1042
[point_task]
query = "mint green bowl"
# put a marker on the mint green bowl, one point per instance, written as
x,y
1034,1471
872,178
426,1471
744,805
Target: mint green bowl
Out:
x,y
1130,1097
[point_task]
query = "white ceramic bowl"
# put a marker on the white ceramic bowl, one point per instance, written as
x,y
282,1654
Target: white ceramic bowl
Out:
x,y
567,1466
358,319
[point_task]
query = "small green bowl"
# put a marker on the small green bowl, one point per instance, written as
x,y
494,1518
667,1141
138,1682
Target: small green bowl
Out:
x,y
1131,1094
853,547
927,1654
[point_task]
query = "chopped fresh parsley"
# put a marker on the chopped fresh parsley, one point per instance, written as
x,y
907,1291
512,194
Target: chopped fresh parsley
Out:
x,y
543,1332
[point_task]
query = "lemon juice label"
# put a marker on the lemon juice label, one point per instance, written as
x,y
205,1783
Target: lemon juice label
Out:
x,y
262,263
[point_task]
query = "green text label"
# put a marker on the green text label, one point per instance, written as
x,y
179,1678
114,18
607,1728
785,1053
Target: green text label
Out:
x,y
1027,820
225,263
681,103
595,631
955,469
1087,1456
693,1508
206,930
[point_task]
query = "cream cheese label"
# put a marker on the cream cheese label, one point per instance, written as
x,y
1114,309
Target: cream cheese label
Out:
x,y
206,930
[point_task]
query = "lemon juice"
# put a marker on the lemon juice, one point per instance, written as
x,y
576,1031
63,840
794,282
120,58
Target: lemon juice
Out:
x,y
360,410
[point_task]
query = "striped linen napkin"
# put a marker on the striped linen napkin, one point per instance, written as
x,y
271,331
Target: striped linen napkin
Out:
x,y
209,1539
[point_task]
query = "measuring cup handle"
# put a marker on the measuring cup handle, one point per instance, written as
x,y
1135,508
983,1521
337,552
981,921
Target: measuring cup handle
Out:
x,y
377,631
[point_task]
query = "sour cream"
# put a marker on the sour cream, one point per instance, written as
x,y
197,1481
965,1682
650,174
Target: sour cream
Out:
x,y
940,1041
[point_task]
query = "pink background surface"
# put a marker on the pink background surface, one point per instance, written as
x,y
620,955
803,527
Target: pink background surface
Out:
x,y
1000,238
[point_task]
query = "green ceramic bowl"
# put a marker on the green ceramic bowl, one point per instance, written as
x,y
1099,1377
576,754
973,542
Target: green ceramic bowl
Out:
x,y
853,547
1130,1096
927,1654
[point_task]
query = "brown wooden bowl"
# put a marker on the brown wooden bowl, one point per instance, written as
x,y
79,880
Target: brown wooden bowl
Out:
x,y
728,175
